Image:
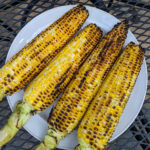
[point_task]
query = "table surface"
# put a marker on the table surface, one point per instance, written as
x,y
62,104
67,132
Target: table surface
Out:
x,y
14,14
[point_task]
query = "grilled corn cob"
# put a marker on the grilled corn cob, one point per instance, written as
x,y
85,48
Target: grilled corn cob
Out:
x,y
105,110
35,56
45,88
77,96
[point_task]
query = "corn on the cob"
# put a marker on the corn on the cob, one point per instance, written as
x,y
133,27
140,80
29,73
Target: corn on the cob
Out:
x,y
105,110
35,56
77,96
45,88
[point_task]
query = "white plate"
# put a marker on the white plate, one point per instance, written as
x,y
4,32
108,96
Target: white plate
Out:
x,y
37,125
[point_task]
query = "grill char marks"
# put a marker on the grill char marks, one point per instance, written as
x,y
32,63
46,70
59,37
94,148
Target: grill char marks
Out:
x,y
83,79
62,80
104,52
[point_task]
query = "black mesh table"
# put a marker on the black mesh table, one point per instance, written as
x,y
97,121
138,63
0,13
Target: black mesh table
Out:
x,y
14,14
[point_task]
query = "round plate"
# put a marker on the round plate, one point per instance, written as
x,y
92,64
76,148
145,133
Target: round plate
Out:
x,y
37,125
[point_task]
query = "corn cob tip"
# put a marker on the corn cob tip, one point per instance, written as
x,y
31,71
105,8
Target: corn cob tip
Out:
x,y
93,25
124,24
18,118
51,140
83,8
131,44
134,45
99,29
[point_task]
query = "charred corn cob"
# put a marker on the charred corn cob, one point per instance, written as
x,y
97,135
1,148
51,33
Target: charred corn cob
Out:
x,y
45,88
105,110
35,56
78,94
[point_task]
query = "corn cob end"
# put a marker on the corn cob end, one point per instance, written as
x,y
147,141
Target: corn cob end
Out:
x,y
19,117
135,45
51,139
83,8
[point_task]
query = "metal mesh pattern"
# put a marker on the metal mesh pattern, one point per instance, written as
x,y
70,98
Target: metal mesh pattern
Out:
x,y
14,14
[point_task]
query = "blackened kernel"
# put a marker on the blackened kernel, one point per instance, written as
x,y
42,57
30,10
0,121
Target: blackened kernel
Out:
x,y
64,128
95,145
69,118
57,120
68,110
109,117
5,83
87,136
96,129
8,75
51,123
68,106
